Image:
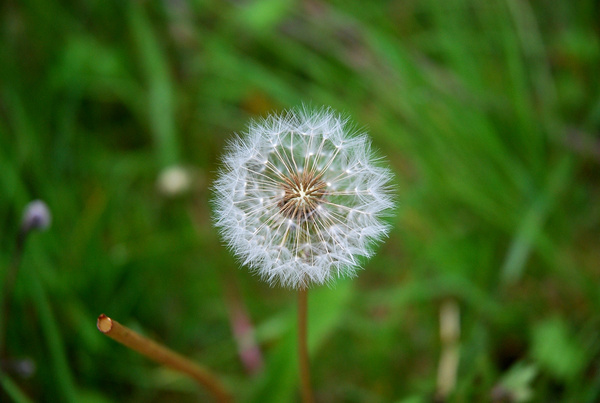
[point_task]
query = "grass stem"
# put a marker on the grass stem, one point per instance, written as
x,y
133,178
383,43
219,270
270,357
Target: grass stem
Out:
x,y
6,290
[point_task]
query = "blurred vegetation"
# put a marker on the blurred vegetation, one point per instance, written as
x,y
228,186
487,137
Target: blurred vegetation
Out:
x,y
488,111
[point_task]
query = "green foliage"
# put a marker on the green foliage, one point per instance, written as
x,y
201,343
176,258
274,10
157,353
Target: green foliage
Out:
x,y
554,348
488,112
516,383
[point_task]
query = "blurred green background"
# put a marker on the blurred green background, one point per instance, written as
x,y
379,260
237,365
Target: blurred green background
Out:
x,y
487,111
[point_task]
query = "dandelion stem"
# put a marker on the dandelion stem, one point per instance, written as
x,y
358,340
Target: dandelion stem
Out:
x,y
307,394
163,355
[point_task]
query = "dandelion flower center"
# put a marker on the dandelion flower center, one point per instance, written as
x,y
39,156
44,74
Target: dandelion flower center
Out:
x,y
301,196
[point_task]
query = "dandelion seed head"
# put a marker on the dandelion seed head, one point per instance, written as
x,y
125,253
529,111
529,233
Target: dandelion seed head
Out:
x,y
174,180
300,198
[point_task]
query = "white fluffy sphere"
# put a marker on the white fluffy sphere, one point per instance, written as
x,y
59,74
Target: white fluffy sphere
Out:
x,y
300,198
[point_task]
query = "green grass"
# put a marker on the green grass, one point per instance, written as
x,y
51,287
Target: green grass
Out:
x,y
488,113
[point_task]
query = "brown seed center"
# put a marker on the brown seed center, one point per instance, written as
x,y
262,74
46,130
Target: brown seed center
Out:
x,y
302,194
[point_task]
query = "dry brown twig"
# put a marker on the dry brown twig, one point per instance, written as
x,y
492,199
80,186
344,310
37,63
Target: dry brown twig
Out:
x,y
163,355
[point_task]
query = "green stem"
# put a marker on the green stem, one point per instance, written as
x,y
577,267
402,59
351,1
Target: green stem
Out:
x,y
7,291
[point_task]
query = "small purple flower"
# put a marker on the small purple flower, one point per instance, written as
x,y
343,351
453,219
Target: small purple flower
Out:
x,y
37,216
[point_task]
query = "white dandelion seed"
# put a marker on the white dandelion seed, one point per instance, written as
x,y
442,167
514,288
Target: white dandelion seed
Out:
x,y
301,197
